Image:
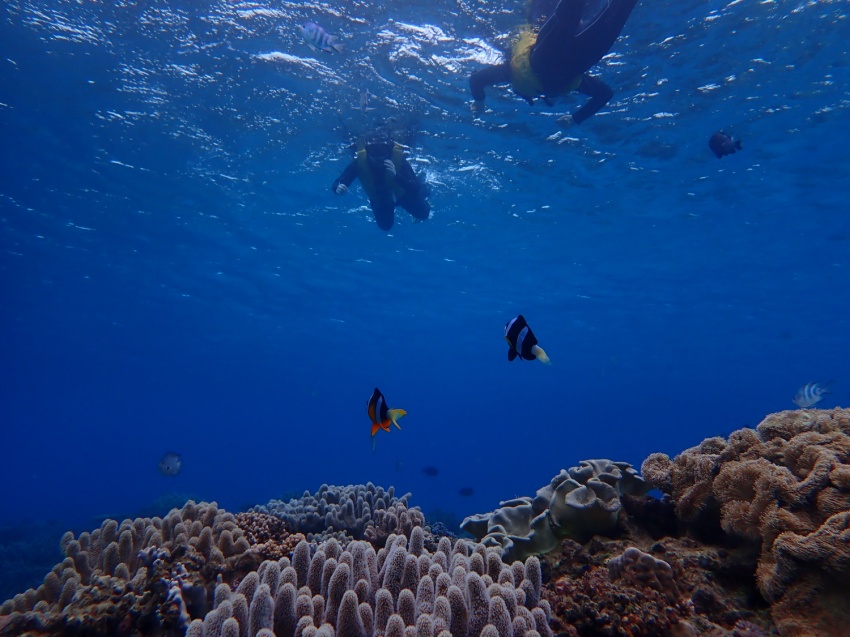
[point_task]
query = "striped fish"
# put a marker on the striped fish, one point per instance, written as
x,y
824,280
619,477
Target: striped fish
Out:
x,y
522,342
811,394
320,40
380,415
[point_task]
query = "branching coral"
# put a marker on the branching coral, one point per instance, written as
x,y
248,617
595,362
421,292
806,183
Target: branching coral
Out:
x,y
360,511
186,572
354,591
154,570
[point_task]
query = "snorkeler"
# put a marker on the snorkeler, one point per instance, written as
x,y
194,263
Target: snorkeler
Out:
x,y
388,179
554,60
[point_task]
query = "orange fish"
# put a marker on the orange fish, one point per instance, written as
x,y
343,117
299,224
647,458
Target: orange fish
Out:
x,y
380,416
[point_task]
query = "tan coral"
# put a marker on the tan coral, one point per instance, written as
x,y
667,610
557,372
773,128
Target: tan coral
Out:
x,y
826,549
657,469
785,485
689,476
807,578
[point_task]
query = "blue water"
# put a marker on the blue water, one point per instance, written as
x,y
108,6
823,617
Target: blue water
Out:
x,y
177,275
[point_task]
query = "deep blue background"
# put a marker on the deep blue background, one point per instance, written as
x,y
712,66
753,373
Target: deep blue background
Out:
x,y
177,276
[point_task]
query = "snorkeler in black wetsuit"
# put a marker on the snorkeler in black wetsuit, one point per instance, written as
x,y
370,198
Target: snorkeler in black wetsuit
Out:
x,y
555,60
388,179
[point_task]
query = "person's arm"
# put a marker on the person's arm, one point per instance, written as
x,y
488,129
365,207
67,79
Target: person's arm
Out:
x,y
493,74
407,179
348,175
598,92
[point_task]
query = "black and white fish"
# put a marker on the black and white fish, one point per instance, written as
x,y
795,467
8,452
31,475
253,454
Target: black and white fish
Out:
x,y
170,463
320,40
811,394
722,144
521,341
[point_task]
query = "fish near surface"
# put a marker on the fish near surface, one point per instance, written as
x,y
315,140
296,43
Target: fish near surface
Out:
x,y
811,394
722,144
320,40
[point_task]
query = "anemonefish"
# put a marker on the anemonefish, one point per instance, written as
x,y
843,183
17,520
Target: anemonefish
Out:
x,y
521,341
380,416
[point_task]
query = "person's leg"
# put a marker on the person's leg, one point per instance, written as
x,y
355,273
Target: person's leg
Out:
x,y
594,42
540,10
418,207
561,54
554,41
384,211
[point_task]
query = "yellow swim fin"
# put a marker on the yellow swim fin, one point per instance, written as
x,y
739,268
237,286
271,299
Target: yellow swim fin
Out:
x,y
395,414
542,356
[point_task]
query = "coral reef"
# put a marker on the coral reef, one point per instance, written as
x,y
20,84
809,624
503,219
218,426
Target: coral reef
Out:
x,y
362,512
147,575
353,590
639,568
593,605
577,503
189,573
635,586
784,487
753,534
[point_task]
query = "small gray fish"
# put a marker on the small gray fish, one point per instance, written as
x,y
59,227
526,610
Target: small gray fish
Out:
x,y
320,40
364,102
811,394
170,463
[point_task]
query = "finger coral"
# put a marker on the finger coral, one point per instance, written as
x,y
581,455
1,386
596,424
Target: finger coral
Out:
x,y
360,511
187,574
153,571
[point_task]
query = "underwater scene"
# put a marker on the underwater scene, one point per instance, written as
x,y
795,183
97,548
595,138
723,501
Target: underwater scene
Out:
x,y
432,318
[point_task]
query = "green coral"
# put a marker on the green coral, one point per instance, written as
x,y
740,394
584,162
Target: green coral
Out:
x,y
576,504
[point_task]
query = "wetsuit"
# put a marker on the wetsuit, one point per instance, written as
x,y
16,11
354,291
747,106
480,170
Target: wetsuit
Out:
x,y
385,192
570,42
